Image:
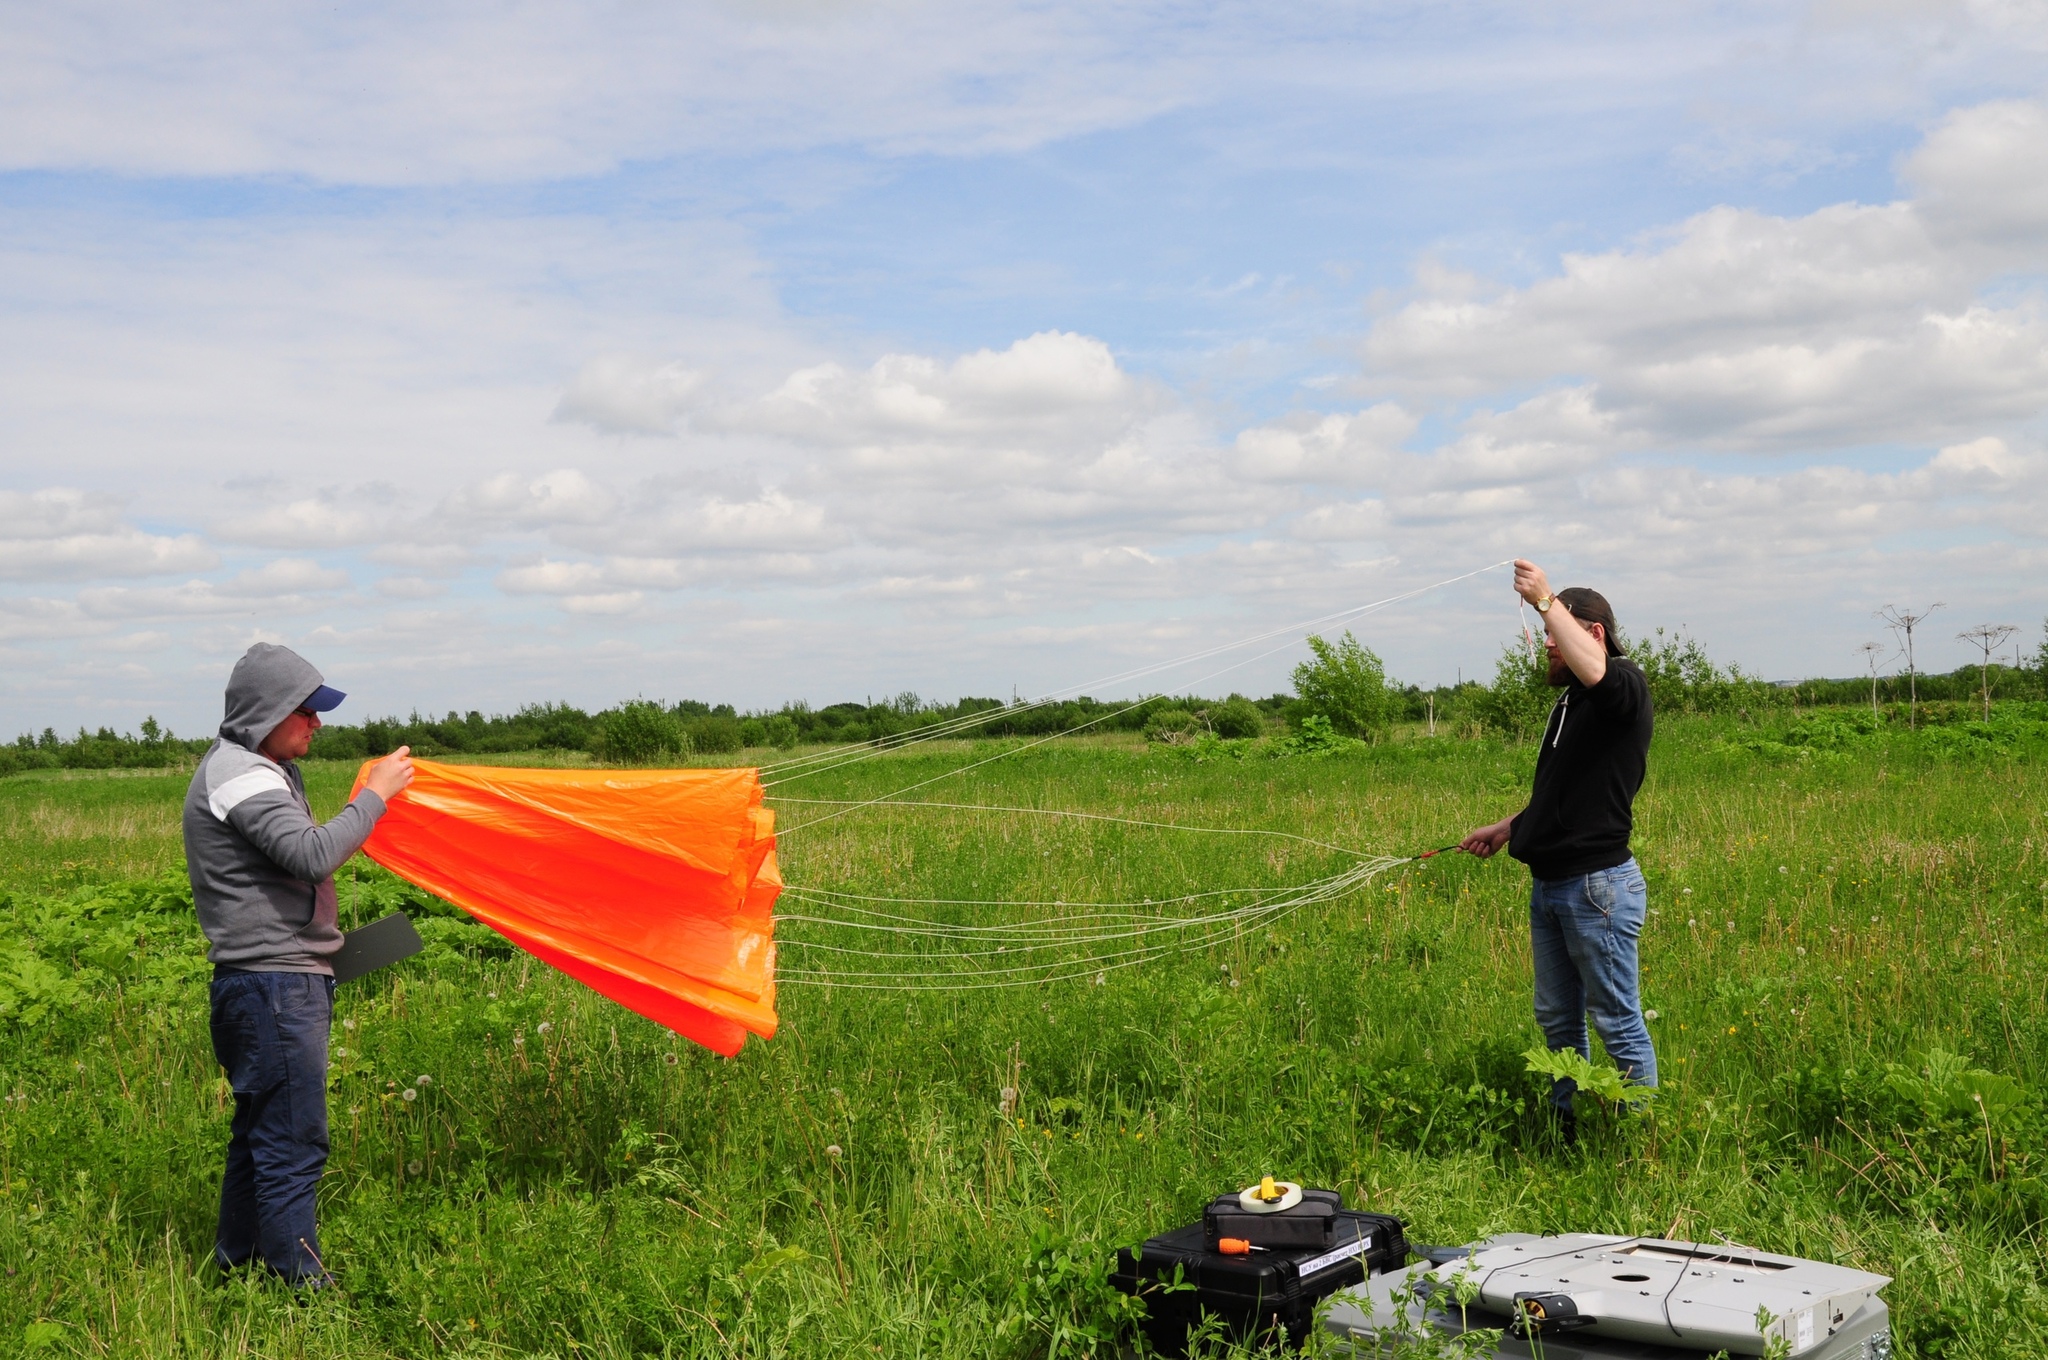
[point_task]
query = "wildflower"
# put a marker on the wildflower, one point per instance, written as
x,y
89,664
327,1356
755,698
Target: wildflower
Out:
x,y
1008,1103
543,1027
348,1024
1873,920
1731,925
341,1053
413,1168
519,1038
1782,869
1802,951
1101,978
1732,1029
1233,982
1692,920
491,996
670,1058
834,1150
409,1094
423,1080
1649,1015
1687,891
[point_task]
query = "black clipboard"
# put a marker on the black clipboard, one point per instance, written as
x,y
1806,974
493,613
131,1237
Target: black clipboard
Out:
x,y
376,945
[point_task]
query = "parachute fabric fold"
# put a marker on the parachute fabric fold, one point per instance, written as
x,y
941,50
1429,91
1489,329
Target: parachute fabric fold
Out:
x,y
656,888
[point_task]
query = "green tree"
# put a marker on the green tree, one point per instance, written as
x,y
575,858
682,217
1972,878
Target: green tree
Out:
x,y
1347,684
1237,717
1518,701
640,733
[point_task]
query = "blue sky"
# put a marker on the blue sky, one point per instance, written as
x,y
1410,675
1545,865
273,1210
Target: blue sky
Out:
x,y
823,350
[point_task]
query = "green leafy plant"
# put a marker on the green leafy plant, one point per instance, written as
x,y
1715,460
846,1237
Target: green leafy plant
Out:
x,y
1608,1083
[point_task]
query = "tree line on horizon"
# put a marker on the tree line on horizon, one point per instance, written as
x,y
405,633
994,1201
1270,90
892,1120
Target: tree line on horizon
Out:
x,y
1344,685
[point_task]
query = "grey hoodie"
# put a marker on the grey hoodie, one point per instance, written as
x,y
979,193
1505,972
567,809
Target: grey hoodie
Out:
x,y
262,869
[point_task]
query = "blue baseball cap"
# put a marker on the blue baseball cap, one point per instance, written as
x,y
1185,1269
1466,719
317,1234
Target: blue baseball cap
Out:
x,y
322,699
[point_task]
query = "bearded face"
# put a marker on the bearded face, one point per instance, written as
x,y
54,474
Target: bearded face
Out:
x,y
1559,674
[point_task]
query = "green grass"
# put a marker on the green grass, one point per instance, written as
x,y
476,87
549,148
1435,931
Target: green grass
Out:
x,y
1820,924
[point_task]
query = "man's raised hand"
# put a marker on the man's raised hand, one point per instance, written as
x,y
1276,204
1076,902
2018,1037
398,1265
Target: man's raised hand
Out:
x,y
390,775
1530,582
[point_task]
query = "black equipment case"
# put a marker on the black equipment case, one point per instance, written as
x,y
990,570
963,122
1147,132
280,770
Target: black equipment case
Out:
x,y
1266,1294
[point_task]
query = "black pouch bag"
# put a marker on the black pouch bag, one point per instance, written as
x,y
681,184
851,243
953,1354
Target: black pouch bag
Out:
x,y
1264,1296
1311,1223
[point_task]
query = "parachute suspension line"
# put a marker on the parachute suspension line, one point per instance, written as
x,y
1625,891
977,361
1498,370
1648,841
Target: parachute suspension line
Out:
x,y
803,766
1078,816
1159,938
893,794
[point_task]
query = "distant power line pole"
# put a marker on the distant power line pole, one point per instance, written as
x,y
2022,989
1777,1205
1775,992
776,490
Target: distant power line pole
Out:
x,y
1988,637
1870,651
1904,622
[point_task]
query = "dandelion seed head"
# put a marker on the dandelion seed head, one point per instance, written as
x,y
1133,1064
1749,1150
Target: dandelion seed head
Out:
x,y
670,1058
409,1094
348,1024
543,1027
413,1168
834,1150
1649,1015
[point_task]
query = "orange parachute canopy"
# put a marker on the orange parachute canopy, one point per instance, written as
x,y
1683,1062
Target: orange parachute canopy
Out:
x,y
655,887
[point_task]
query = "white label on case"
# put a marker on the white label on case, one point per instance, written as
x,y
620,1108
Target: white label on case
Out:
x,y
1330,1258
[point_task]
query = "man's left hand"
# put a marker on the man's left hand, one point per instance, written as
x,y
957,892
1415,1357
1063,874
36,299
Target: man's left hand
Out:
x,y
1530,582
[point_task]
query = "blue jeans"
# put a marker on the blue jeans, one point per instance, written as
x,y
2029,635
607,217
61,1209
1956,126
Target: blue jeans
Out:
x,y
270,1033
1584,931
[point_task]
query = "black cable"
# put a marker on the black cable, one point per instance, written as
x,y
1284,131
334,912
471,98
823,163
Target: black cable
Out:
x,y
1684,1266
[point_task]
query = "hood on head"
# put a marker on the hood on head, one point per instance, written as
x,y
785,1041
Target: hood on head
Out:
x,y
268,683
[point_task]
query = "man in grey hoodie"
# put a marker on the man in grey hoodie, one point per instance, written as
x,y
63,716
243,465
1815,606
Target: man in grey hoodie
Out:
x,y
263,882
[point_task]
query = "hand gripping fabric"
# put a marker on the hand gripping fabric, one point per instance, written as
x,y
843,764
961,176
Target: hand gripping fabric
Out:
x,y
655,887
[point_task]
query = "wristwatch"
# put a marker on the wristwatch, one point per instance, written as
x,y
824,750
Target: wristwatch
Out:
x,y
1543,605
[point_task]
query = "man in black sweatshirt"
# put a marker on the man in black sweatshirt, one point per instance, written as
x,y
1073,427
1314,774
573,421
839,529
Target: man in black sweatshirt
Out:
x,y
1588,899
